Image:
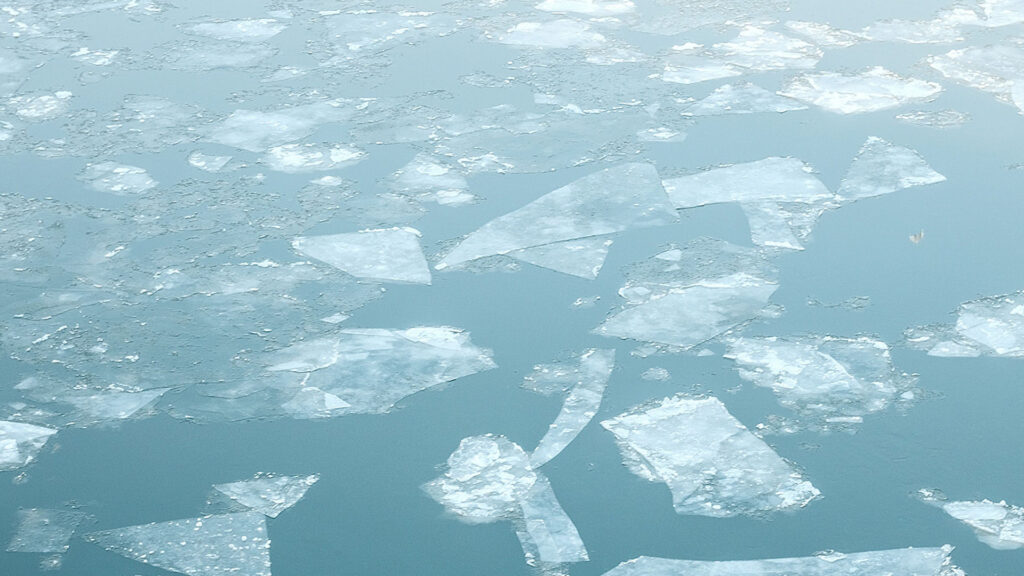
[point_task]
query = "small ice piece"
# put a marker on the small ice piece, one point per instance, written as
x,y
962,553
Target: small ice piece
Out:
x,y
604,202
372,369
656,374
564,33
880,168
594,8
992,69
268,494
208,162
547,534
935,119
219,545
582,403
40,107
660,134
997,524
869,91
711,463
823,378
745,98
990,326
386,255
297,158
755,49
771,179
824,35
583,257
118,179
253,30
95,57
20,442
112,405
257,131
899,562
427,178
45,531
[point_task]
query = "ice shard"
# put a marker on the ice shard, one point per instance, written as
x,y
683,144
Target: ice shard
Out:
x,y
268,494
581,404
546,533
898,562
583,257
118,179
45,531
258,131
20,442
219,545
299,158
995,68
755,49
745,98
711,463
563,33
611,200
386,255
998,524
990,326
880,168
869,91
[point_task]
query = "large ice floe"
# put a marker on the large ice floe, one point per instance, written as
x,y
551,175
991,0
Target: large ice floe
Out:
x,y
898,562
369,370
584,383
997,68
683,297
997,524
388,255
217,545
45,531
710,462
268,494
557,230
827,381
990,326
881,168
869,91
755,49
20,443
490,478
745,98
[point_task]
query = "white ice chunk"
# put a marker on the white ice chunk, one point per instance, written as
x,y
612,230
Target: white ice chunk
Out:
x,y
45,531
582,403
823,34
755,49
656,374
990,326
881,168
253,30
564,33
711,463
781,224
935,119
119,179
997,524
899,562
771,179
269,495
1002,12
297,158
20,442
596,8
992,69
387,255
372,369
869,91
207,162
40,107
111,405
428,175
548,535
220,545
312,402
612,200
257,131
583,257
743,98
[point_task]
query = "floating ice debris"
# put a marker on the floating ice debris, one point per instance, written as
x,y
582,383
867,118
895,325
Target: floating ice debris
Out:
x,y
583,257
311,402
880,168
40,107
997,524
20,442
992,69
824,35
259,131
872,90
387,255
611,200
219,545
267,494
206,55
901,562
711,463
45,531
991,326
488,479
95,57
944,28
207,162
564,33
1002,12
119,179
743,98
825,379
295,158
656,374
935,119
255,30
755,49
591,377
596,8
372,369
427,178
660,134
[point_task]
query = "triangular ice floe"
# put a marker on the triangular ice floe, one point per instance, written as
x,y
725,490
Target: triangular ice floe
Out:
x,y
269,495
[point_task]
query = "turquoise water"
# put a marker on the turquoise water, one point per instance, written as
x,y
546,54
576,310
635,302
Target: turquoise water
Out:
x,y
859,274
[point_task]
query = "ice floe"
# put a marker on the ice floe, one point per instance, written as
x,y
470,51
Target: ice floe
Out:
x,y
257,131
902,561
869,91
388,255
755,49
119,179
881,168
711,463
40,107
995,68
997,524
743,98
296,158
45,531
564,33
583,257
20,443
218,545
254,30
428,178
594,8
935,119
990,326
268,494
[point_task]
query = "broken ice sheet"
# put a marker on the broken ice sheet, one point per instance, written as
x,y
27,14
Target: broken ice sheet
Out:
x,y
711,463
38,107
20,443
77,404
935,119
119,179
588,381
902,562
869,91
45,531
595,8
563,33
745,98
880,168
258,131
219,545
997,524
251,30
993,68
297,158
583,257
268,494
990,326
824,35
489,478
428,178
611,200
827,380
372,369
755,49
388,255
